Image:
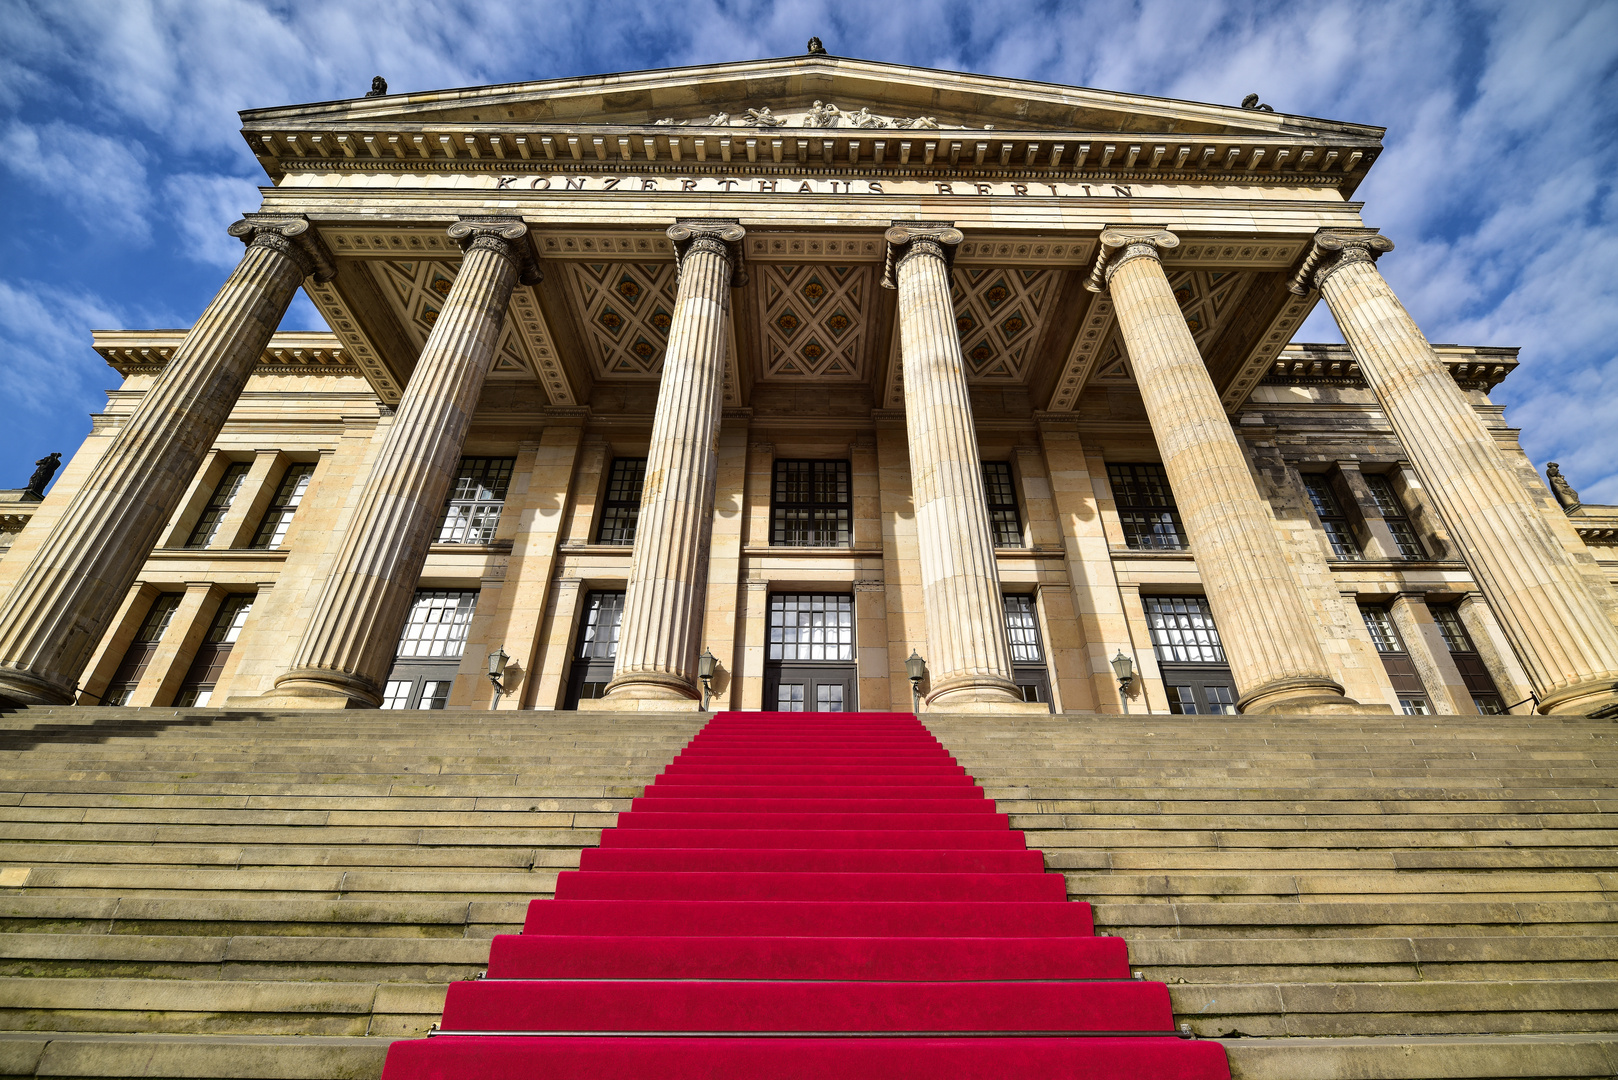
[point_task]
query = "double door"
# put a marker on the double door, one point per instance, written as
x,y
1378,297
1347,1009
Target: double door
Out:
x,y
799,688
809,664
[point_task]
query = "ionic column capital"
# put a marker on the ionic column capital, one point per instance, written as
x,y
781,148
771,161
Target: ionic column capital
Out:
x,y
717,237
907,241
291,236
1333,249
506,237
1120,244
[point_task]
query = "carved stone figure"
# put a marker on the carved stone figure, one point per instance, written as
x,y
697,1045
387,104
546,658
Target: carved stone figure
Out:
x,y
379,87
44,469
1251,101
719,119
816,48
821,115
865,118
667,121
929,122
764,118
1560,487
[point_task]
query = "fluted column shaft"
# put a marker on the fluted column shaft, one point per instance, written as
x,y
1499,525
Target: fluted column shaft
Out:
x,y
668,577
1268,633
63,602
968,658
1545,605
349,644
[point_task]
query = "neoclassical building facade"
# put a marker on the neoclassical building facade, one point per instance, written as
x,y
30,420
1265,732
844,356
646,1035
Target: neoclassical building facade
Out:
x,y
812,367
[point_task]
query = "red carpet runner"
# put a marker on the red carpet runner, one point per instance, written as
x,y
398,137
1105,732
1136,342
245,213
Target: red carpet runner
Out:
x,y
809,895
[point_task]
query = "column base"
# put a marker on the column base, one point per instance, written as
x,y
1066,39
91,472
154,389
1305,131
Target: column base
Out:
x,y
1592,698
1304,697
314,688
651,686
19,688
981,694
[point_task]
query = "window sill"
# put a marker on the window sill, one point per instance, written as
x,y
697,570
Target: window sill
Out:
x,y
499,547
1150,553
237,554
1396,564
598,549
793,551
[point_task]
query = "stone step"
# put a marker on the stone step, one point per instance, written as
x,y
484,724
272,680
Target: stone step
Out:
x,y
309,853
331,884
214,916
70,1055
1438,1057
243,958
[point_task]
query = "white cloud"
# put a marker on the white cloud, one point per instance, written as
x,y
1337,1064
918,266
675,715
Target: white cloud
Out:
x,y
95,177
202,207
45,355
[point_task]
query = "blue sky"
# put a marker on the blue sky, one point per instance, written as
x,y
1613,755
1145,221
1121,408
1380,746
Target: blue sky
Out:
x,y
121,162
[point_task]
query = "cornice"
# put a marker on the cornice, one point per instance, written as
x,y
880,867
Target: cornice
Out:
x,y
130,352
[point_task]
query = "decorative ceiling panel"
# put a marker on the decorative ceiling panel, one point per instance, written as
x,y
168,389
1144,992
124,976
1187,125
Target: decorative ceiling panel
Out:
x,y
817,320
418,289
999,313
626,309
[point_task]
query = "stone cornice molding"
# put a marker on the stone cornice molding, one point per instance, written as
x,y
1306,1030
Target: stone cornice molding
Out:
x,y
505,236
1135,242
722,237
907,240
288,235
1333,249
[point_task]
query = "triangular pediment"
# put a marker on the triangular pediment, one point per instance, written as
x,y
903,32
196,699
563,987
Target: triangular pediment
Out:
x,y
783,94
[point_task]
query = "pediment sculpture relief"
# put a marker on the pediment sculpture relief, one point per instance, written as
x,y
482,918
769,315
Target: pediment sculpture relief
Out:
x,y
821,114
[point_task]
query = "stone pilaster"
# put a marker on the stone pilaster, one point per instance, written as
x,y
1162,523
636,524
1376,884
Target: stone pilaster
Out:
x,y
349,644
1545,605
1268,632
663,604
970,661
63,602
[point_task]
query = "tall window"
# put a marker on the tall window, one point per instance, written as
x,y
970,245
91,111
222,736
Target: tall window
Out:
x,y
1027,657
1146,507
273,529
622,509
1189,654
597,648
1474,673
1331,515
476,500
207,528
1393,512
140,651
430,649
1396,660
812,507
198,686
1002,499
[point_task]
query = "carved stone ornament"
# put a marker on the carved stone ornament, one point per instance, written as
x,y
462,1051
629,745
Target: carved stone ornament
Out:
x,y
379,87
1128,242
905,241
288,236
1561,488
504,236
1251,101
723,238
822,115
1334,248
816,48
764,118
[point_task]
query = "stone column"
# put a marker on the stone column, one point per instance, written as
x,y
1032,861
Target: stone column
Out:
x,y
1268,632
1545,605
63,602
663,604
970,662
348,646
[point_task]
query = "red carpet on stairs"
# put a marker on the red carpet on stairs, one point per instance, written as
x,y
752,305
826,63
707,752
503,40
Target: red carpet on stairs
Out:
x,y
803,895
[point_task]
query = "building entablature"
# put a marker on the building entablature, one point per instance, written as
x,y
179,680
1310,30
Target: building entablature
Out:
x,y
1474,367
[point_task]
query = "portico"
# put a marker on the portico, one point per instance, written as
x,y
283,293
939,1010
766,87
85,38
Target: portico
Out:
x,y
930,351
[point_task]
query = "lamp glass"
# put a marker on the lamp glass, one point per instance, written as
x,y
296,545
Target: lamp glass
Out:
x,y
706,664
1123,667
915,667
497,662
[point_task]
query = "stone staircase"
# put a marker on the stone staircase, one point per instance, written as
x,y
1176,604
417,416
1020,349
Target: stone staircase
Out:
x,y
1347,896
196,893
199,893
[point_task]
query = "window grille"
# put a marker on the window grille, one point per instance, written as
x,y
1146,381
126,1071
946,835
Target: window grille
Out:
x,y
139,654
1022,630
603,618
273,529
1001,495
1380,625
812,506
621,511
438,623
1456,639
196,690
1331,515
219,503
1183,630
1393,512
227,624
811,626
476,500
1146,507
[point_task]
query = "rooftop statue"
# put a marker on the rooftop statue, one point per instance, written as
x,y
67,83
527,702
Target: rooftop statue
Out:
x,y
44,469
379,87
